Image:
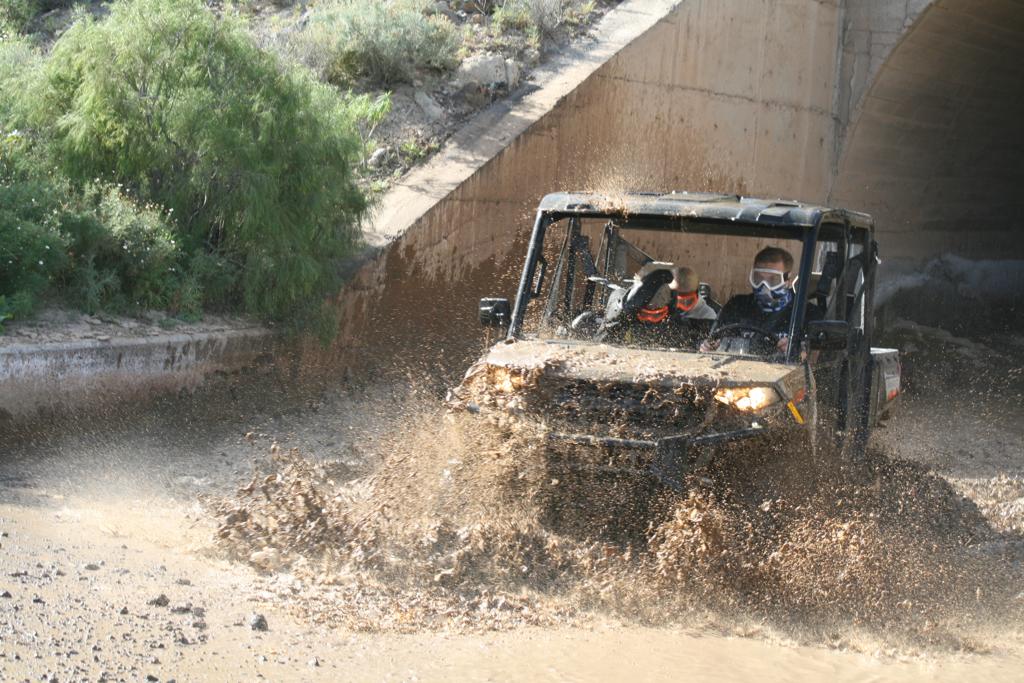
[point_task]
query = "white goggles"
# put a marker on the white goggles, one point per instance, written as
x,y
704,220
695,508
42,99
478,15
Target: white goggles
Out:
x,y
769,277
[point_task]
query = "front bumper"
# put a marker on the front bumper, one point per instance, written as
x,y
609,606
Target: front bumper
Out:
x,y
672,456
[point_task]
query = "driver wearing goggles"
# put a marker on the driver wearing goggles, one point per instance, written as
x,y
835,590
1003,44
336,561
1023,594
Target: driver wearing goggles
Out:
x,y
769,306
768,278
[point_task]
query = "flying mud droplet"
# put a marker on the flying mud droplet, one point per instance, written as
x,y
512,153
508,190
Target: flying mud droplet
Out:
x,y
463,525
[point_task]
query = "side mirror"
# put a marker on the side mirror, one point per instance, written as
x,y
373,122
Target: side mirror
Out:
x,y
495,312
828,335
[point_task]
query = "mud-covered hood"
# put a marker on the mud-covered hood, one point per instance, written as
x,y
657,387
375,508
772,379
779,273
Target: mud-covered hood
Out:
x,y
602,363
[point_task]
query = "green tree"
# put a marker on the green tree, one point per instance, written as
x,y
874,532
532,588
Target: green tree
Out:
x,y
252,157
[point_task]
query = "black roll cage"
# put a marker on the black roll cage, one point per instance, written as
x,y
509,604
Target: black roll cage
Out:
x,y
834,225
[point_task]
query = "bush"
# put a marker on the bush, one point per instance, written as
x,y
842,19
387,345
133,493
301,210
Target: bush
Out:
x,y
125,256
18,64
33,250
252,158
542,16
16,14
97,247
386,41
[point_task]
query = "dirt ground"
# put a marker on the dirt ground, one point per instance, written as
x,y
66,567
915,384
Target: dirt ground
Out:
x,y
112,567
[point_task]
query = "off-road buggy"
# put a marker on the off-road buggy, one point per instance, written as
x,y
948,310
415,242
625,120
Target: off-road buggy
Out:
x,y
658,404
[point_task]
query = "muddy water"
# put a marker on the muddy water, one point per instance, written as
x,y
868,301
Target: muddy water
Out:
x,y
462,525
113,520
134,500
645,654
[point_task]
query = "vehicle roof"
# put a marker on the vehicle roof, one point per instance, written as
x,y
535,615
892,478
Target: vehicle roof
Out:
x,y
699,205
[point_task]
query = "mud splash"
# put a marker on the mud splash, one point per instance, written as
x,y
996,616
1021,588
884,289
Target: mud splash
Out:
x,y
462,525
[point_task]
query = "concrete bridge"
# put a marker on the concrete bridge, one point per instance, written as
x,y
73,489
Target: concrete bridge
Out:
x,y
928,124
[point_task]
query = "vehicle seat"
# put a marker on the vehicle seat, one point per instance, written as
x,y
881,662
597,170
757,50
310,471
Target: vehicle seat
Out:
x,y
650,287
613,306
820,284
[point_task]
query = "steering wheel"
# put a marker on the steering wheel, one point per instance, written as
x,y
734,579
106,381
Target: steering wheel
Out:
x,y
770,339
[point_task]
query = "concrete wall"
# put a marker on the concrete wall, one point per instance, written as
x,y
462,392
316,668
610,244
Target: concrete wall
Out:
x,y
869,31
37,380
728,95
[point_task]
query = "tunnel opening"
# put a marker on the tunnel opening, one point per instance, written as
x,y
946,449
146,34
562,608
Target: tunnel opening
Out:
x,y
936,155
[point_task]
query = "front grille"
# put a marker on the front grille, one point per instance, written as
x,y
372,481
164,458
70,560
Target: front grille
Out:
x,y
620,410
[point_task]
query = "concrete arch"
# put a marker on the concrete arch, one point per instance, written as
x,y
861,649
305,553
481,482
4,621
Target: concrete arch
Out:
x,y
936,152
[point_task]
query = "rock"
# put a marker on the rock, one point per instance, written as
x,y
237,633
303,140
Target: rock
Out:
x,y
6,594
123,610
183,582
431,109
513,72
160,601
444,8
103,337
199,612
185,608
151,677
38,600
481,70
377,158
92,567
313,662
258,622
199,625
268,559
488,70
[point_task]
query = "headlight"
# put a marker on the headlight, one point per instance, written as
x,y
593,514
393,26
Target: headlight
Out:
x,y
748,399
506,381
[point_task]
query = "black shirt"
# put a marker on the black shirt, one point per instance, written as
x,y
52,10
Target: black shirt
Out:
x,y
743,308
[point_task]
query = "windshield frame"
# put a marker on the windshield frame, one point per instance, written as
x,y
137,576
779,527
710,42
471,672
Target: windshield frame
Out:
x,y
529,288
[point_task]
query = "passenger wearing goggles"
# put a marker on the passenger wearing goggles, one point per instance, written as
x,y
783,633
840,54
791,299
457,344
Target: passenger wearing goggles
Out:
x,y
663,308
769,306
